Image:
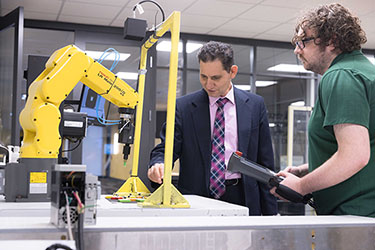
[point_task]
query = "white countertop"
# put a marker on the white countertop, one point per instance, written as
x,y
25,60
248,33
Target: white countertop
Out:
x,y
199,206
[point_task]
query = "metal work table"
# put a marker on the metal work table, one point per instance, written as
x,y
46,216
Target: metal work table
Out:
x,y
207,232
163,231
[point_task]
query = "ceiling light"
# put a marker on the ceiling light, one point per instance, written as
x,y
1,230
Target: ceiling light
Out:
x,y
283,67
166,46
127,75
264,83
243,87
111,57
191,47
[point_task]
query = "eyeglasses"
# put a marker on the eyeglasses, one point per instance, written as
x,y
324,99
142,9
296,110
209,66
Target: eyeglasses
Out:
x,y
301,43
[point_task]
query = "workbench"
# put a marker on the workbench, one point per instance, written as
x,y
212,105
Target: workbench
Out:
x,y
176,229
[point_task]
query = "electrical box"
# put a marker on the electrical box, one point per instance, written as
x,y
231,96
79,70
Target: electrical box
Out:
x,y
73,187
28,180
135,29
92,194
67,194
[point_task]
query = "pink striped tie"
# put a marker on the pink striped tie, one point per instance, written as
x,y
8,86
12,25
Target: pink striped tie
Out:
x,y
217,179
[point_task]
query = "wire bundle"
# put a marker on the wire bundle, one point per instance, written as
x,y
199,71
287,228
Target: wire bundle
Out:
x,y
105,54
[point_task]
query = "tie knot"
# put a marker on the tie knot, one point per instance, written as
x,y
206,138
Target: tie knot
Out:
x,y
221,102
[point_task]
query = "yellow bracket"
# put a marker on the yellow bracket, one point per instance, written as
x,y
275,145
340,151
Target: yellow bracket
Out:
x,y
176,199
166,195
133,187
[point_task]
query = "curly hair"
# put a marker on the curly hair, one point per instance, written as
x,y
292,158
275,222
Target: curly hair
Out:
x,y
217,50
332,23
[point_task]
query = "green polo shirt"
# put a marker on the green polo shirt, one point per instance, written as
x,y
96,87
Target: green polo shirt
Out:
x,y
346,95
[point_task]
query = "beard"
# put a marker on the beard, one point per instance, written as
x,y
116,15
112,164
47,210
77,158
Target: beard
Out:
x,y
317,64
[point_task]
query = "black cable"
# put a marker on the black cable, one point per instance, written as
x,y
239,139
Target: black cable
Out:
x,y
109,106
68,150
58,246
154,2
79,233
69,105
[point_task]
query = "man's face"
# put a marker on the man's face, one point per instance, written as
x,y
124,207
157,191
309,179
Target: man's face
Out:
x,y
312,56
215,79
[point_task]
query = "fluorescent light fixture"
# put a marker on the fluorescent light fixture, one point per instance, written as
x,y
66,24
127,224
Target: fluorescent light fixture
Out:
x,y
264,83
294,68
298,104
259,84
271,125
127,75
191,47
243,87
166,46
111,57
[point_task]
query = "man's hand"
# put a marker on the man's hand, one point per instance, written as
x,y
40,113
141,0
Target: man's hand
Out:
x,y
156,173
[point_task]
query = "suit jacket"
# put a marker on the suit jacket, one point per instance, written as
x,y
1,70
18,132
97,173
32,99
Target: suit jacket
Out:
x,y
192,145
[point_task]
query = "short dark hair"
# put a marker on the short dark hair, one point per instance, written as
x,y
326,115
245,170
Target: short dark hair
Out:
x,y
217,50
332,22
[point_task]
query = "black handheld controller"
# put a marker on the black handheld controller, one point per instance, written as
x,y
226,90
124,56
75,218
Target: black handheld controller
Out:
x,y
237,163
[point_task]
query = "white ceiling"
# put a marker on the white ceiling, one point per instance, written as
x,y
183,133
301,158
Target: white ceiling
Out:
x,y
258,19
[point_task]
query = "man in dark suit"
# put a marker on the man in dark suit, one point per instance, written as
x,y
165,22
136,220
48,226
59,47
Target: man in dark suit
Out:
x,y
243,126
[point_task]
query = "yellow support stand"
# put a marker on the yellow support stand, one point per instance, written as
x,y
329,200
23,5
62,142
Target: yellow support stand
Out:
x,y
133,187
166,195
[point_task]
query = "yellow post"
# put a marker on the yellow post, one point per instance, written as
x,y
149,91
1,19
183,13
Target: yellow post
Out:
x,y
166,195
134,185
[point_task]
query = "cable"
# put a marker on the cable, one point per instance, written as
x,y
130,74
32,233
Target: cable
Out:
x,y
80,205
1,146
69,105
68,217
154,2
101,120
106,53
80,241
75,147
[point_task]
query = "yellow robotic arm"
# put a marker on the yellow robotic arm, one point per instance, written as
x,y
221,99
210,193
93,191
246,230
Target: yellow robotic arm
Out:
x,y
41,117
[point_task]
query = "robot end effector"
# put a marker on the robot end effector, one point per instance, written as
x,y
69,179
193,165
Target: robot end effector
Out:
x,y
126,129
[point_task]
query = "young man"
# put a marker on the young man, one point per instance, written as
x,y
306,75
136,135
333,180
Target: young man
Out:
x,y
341,168
210,125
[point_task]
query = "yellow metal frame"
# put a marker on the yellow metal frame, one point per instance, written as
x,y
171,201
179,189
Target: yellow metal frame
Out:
x,y
166,195
291,110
